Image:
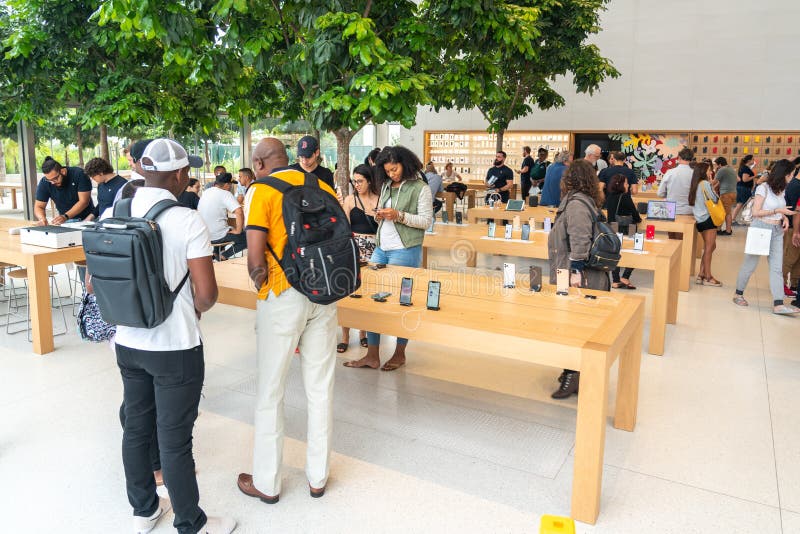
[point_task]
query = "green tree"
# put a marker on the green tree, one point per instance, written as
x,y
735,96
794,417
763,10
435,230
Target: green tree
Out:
x,y
503,57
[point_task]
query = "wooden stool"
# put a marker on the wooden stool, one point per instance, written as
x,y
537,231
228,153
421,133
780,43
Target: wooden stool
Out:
x,y
22,274
78,279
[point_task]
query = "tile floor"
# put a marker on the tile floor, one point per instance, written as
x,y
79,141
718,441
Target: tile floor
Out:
x,y
454,442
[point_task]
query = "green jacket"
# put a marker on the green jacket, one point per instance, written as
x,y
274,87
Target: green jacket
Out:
x,y
407,199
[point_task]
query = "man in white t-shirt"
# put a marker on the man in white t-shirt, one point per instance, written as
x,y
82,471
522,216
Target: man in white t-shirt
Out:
x,y
163,367
676,183
214,206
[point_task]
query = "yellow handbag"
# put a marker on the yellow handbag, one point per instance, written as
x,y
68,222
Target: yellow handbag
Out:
x,y
715,209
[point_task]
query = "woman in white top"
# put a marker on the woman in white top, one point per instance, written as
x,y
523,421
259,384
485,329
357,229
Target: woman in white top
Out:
x,y
769,212
449,175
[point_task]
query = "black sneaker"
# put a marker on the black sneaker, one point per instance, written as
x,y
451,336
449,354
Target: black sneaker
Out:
x,y
568,386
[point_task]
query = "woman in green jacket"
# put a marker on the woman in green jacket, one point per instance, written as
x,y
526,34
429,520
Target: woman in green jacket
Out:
x,y
404,212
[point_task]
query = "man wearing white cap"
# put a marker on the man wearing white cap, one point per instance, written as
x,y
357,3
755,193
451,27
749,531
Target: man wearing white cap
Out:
x,y
162,367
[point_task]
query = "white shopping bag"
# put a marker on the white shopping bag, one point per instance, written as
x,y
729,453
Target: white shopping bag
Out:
x,y
758,241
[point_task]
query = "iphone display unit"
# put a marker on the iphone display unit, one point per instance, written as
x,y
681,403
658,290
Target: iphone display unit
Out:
x,y
548,224
620,236
638,241
509,275
491,228
509,229
526,231
650,232
562,282
406,286
434,288
459,218
444,216
536,278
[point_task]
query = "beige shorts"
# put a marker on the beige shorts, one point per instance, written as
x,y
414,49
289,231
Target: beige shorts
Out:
x,y
728,200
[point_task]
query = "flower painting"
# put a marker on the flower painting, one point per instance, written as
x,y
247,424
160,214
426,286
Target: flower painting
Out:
x,y
651,155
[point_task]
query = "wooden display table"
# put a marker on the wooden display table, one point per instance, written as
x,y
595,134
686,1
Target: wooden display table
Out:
x,y
683,224
38,261
569,332
662,257
644,196
450,202
480,188
14,187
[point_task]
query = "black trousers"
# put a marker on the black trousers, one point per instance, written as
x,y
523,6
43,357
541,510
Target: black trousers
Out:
x,y
155,455
526,187
239,243
162,393
626,274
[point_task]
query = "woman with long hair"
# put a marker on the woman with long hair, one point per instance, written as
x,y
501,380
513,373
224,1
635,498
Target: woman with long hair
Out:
x,y
701,189
769,212
571,239
360,208
620,204
744,184
405,211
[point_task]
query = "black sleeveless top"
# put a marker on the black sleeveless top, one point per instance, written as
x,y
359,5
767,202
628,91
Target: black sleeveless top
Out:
x,y
360,222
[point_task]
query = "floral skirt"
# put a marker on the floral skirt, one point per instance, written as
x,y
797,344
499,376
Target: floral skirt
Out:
x,y
366,246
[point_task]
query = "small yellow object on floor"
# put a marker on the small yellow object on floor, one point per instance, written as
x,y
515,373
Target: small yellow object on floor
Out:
x,y
553,524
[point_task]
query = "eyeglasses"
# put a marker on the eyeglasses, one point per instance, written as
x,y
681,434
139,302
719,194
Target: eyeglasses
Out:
x,y
358,182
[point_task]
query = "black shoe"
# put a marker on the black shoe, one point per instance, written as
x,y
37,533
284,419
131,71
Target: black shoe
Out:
x,y
562,375
720,232
568,386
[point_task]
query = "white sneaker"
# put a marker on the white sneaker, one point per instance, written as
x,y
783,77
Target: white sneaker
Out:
x,y
219,525
142,525
785,309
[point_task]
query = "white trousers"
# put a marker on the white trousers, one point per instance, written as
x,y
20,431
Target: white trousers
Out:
x,y
283,323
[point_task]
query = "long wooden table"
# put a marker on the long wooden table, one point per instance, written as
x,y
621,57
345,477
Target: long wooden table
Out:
x,y
450,202
37,260
568,332
662,257
683,224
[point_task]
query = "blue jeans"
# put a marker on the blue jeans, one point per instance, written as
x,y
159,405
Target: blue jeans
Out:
x,y
405,257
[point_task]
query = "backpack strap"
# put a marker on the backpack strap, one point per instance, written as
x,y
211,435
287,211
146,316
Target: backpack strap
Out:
x,y
123,207
158,208
274,183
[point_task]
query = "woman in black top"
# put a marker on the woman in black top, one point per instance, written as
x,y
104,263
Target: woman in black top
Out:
x,y
360,210
744,184
620,203
190,198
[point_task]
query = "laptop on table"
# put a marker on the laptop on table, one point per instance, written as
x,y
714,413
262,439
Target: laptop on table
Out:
x,y
661,210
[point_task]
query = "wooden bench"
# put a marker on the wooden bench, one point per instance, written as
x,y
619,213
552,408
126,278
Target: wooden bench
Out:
x,y
662,257
564,332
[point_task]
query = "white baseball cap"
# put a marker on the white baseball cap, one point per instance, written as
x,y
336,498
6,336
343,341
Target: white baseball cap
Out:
x,y
167,155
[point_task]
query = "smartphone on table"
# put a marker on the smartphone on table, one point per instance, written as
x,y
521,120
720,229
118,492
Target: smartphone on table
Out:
x,y
406,286
434,288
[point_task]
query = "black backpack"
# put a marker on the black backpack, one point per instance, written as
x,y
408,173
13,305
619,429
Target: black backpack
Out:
x,y
460,189
604,254
124,255
321,256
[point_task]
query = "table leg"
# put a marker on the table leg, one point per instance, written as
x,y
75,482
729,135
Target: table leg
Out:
x,y
590,436
13,199
687,260
675,276
39,302
450,201
424,257
660,306
630,361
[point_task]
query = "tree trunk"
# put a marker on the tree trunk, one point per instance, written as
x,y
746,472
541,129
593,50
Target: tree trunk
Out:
x,y
208,157
66,155
79,142
500,136
3,165
342,176
104,152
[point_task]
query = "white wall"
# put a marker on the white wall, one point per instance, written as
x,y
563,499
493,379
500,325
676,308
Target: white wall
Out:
x,y
685,65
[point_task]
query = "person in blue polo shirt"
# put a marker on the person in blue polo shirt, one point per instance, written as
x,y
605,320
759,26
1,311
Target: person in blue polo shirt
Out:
x,y
68,187
108,183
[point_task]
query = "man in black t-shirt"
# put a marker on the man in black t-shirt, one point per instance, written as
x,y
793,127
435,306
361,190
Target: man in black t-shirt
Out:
x,y
499,178
791,253
617,160
308,160
68,187
525,171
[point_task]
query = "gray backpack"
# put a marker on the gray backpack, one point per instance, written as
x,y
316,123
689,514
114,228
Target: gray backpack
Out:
x,y
124,255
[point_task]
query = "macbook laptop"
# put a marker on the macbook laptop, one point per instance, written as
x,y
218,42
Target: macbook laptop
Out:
x,y
661,210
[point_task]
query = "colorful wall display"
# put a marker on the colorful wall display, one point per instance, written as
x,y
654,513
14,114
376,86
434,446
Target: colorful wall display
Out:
x,y
651,155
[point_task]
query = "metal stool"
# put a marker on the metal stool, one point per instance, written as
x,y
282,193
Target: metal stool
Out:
x,y
76,281
218,248
22,274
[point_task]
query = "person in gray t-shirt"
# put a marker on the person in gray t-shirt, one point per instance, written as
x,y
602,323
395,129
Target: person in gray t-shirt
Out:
x,y
726,176
676,183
